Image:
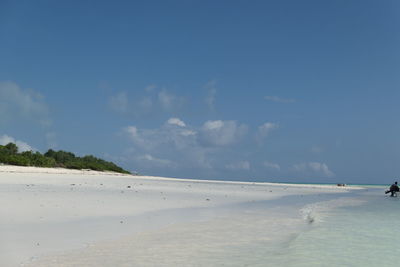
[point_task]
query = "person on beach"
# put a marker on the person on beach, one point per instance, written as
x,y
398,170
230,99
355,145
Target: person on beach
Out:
x,y
393,189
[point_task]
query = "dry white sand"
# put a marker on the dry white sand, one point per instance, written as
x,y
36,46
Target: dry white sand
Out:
x,y
59,217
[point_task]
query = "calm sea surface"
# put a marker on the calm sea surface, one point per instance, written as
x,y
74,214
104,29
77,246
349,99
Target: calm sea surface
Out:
x,y
360,228
359,235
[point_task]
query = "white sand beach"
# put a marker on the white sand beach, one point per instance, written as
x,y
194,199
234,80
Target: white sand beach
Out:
x,y
59,217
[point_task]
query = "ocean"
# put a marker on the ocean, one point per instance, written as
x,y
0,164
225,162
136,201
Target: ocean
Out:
x,y
364,234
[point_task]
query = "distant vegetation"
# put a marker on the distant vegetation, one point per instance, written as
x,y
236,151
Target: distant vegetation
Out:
x,y
9,155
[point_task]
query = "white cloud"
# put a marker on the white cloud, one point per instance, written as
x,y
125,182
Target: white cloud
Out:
x,y
185,145
151,140
122,104
221,133
151,100
132,130
178,144
213,125
210,98
22,146
17,103
272,165
166,100
133,133
140,139
279,99
314,167
240,165
169,102
155,161
188,132
264,130
321,167
176,121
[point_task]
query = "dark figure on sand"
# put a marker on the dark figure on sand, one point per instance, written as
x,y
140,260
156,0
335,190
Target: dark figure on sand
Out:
x,y
393,189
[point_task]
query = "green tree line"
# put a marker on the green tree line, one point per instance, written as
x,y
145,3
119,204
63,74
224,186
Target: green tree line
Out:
x,y
9,155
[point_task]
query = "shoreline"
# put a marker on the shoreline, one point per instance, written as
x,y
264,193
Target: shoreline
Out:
x,y
161,245
42,170
56,213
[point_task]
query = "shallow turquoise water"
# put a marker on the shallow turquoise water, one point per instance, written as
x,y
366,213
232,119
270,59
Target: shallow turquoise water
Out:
x,y
361,228
364,235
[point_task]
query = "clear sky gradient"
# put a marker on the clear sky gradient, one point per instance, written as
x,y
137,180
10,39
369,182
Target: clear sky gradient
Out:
x,y
294,91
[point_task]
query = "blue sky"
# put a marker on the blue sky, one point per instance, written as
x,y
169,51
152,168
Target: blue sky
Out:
x,y
298,91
